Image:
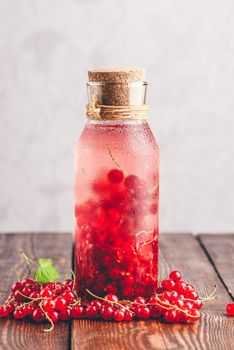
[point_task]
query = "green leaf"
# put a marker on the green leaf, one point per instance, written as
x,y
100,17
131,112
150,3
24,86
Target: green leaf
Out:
x,y
46,272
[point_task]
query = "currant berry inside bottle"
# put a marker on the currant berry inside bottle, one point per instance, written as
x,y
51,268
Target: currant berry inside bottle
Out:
x,y
117,189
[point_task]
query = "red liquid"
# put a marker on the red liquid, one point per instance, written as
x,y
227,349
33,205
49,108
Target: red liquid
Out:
x,y
116,194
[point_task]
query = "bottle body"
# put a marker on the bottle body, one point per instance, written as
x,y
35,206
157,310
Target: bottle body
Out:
x,y
116,208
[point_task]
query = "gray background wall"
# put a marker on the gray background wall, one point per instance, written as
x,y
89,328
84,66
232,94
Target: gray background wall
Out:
x,y
46,48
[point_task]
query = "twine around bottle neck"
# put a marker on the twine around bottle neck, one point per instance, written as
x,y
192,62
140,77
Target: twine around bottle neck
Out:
x,y
96,111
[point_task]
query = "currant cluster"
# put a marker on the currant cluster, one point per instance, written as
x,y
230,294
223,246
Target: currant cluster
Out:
x,y
175,301
52,301
117,236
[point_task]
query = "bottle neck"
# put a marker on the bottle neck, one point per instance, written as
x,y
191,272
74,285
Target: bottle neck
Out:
x,y
117,101
110,122
118,94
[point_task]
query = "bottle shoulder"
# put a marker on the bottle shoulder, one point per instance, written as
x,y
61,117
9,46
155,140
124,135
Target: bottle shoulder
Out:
x,y
128,129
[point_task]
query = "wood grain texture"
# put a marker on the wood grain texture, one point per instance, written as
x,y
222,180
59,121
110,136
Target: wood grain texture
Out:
x,y
220,249
214,331
19,335
182,252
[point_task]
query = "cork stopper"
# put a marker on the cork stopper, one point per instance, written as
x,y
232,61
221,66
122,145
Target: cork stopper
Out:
x,y
116,75
114,84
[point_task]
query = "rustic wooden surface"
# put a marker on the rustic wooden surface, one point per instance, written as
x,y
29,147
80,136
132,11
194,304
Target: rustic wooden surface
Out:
x,y
220,249
206,260
18,335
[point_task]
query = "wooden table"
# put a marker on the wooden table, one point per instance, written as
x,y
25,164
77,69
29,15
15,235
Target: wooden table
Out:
x,y
204,260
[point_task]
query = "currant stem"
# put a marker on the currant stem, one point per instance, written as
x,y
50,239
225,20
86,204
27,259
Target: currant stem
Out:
x,y
148,242
143,232
28,261
211,296
20,306
74,279
8,303
48,318
77,302
109,301
112,157
33,299
17,274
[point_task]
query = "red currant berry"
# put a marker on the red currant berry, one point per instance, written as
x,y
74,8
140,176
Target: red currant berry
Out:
x,y
77,311
28,309
139,300
51,285
230,309
18,296
24,312
153,299
190,288
107,312
9,308
197,304
155,311
26,291
143,312
46,292
132,182
188,305
191,295
174,297
110,289
128,279
128,291
18,313
38,315
28,281
181,316
128,315
3,312
69,282
54,316
168,284
180,287
65,314
179,303
147,279
171,315
60,303
17,286
34,295
175,276
119,315
35,287
97,303
193,316
69,296
115,176
48,305
166,295
140,290
91,312
164,303
112,298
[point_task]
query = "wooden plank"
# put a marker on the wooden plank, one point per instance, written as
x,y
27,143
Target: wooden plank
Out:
x,y
214,331
21,334
220,249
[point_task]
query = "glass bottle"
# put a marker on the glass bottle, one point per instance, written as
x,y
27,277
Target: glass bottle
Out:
x,y
116,194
